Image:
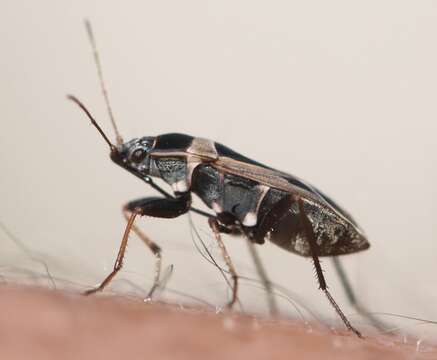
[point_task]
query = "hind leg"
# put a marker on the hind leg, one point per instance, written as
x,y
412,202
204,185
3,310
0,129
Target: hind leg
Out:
x,y
311,238
350,294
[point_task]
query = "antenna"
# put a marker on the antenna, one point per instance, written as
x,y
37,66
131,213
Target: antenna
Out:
x,y
94,122
118,138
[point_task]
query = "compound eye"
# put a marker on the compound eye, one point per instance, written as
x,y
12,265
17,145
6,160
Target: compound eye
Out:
x,y
138,155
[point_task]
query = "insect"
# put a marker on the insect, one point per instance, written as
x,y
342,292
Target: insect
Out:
x,y
247,198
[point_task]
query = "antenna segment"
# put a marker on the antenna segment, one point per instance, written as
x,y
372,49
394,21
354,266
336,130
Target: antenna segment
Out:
x,y
118,138
93,121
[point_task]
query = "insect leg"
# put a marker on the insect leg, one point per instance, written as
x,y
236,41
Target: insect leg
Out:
x,y
215,227
149,180
350,294
263,276
154,248
119,261
309,232
151,206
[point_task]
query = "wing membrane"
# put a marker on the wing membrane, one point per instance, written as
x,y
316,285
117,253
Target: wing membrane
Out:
x,y
281,181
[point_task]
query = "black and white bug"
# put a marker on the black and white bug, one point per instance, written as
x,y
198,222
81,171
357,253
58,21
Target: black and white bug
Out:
x,y
246,197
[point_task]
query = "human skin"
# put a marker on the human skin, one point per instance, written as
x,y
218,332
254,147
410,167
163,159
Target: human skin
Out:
x,y
38,324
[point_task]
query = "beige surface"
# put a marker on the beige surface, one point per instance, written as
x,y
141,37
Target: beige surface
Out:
x,y
48,325
339,93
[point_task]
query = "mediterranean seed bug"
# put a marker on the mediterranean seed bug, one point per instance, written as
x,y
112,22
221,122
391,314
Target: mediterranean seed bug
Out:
x,y
248,199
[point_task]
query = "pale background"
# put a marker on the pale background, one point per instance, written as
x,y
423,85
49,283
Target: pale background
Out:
x,y
339,93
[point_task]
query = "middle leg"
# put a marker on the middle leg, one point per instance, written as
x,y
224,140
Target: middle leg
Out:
x,y
216,229
262,273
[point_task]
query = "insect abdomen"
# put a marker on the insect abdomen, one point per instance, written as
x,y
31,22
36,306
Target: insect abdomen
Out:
x,y
280,223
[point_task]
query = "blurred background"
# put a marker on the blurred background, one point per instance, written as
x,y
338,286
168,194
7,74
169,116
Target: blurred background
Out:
x,y
341,94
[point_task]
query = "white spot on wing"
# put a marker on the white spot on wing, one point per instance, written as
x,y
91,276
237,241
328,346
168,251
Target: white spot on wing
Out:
x,y
250,219
216,207
180,186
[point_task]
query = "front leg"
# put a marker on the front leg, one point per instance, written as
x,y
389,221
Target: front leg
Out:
x,y
150,206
